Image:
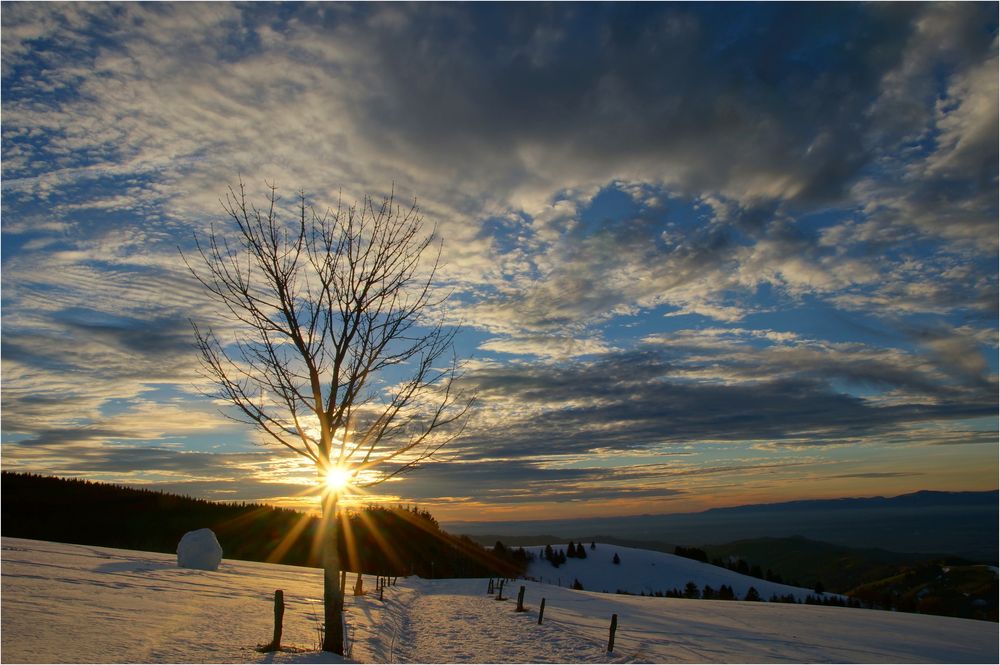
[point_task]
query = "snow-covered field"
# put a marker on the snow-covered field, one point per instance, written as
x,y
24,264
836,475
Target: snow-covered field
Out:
x,y
73,603
646,571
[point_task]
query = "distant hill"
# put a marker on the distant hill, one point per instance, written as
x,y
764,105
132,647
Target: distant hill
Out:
x,y
933,588
805,562
389,541
961,524
641,571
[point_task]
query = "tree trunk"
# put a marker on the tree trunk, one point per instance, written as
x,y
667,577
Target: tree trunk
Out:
x,y
333,598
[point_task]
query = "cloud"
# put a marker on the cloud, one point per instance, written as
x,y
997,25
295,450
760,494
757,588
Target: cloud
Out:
x,y
703,393
878,474
546,346
515,482
700,174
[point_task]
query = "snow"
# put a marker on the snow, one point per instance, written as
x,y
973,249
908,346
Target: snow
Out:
x,y
75,603
646,571
199,550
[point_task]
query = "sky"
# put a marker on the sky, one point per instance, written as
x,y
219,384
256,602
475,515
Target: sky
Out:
x,y
701,254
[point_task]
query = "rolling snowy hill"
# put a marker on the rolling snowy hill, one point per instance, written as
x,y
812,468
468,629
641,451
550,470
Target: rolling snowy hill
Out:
x,y
646,571
74,603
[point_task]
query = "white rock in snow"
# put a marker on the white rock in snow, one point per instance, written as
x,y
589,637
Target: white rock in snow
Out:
x,y
199,549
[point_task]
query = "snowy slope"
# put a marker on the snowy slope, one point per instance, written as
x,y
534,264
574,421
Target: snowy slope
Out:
x,y
72,603
647,571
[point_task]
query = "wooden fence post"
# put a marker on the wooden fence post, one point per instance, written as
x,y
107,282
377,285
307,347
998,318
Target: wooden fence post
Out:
x,y
611,635
500,592
343,581
359,587
520,600
541,612
489,589
279,614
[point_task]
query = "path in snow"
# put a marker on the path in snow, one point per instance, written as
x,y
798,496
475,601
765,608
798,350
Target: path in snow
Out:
x,y
455,621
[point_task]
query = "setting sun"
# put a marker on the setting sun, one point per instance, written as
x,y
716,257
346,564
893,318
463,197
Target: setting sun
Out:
x,y
337,478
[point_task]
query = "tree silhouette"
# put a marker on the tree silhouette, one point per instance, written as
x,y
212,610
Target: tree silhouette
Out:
x,y
323,308
616,559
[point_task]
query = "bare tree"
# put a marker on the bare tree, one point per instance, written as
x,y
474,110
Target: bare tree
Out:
x,y
331,354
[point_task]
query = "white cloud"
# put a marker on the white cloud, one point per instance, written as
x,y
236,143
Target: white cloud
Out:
x,y
123,124
555,347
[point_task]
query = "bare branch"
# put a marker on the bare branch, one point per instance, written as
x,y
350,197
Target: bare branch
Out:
x,y
321,305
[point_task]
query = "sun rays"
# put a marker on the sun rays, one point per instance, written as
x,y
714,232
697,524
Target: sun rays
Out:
x,y
337,479
366,528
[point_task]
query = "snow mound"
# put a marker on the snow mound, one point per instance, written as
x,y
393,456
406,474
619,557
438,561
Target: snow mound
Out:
x,y
200,550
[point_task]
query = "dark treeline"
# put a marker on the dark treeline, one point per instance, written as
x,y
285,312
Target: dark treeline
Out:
x,y
376,540
557,557
738,565
947,587
725,592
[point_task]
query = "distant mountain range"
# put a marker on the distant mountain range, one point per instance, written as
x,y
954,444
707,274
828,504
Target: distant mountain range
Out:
x,y
921,499
962,524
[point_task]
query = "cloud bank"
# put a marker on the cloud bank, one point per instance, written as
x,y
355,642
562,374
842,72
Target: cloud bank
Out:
x,y
755,234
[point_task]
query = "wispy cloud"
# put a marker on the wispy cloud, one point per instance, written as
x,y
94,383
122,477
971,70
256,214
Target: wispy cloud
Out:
x,y
664,225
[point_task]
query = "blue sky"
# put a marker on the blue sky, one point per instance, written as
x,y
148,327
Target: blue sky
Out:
x,y
702,254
